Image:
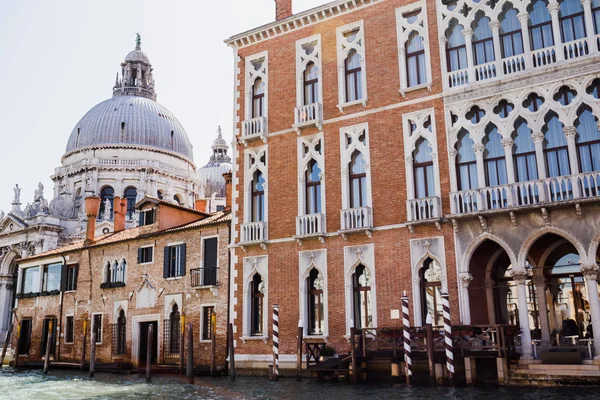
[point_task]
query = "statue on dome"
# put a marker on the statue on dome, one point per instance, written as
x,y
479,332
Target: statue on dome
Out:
x,y
39,192
138,41
17,199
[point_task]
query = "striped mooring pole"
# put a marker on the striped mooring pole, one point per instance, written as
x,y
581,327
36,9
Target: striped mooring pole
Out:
x,y
406,334
275,342
448,336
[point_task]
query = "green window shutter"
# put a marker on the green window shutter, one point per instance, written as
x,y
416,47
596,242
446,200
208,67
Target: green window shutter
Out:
x,y
166,262
182,259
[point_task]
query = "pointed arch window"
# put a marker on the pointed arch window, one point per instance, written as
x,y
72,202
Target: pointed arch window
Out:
x,y
316,316
423,170
556,151
311,84
456,49
572,23
258,197
363,307
313,188
596,15
493,158
131,195
524,153
431,292
120,335
466,163
358,180
256,309
174,330
258,98
483,42
540,26
353,74
588,142
107,193
416,65
511,37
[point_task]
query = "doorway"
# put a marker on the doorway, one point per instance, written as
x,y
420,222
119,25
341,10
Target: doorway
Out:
x,y
143,342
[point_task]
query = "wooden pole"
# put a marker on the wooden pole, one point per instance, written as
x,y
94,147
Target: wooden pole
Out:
x,y
6,342
353,353
231,352
213,343
83,344
406,339
429,330
182,345
49,340
18,342
149,353
449,346
190,354
299,352
275,342
92,354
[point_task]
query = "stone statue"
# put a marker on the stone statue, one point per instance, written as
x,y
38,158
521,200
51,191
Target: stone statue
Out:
x,y
39,192
107,210
17,199
2,215
80,221
143,178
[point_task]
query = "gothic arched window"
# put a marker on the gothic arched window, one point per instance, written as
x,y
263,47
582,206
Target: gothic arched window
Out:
x,y
256,307
483,43
596,15
416,67
258,98
511,37
311,84
588,141
431,292
423,170
524,153
363,306
107,193
316,318
540,26
466,163
131,195
313,188
456,50
353,72
555,147
572,23
121,334
258,197
358,180
174,330
493,158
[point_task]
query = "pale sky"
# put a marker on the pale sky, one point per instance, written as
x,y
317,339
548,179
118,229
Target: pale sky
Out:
x,y
58,59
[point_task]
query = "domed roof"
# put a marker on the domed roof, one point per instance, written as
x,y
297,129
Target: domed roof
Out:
x,y
137,56
130,120
210,176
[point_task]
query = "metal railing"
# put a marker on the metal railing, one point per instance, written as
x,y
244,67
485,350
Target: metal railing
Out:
x,y
205,276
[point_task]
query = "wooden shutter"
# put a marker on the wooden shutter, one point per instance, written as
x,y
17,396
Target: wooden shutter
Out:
x,y
64,274
182,259
141,219
166,262
140,255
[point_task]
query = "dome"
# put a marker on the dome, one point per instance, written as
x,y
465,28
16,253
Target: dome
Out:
x,y
210,176
137,56
130,120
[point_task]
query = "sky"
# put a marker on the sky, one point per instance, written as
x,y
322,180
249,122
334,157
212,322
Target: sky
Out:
x,y
59,58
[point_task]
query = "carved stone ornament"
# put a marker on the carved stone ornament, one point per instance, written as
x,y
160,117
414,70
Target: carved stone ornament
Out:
x,y
590,271
465,279
433,273
519,275
63,207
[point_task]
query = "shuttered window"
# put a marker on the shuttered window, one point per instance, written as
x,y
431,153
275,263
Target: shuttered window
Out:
x,y
174,262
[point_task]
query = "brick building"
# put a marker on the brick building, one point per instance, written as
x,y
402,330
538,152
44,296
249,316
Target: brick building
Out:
x,y
173,266
427,146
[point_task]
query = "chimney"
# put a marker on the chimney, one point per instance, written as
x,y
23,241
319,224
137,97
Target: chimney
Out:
x,y
201,205
92,205
119,210
283,9
228,188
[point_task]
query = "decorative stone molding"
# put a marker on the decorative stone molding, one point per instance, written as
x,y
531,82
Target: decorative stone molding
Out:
x,y
519,275
590,271
465,279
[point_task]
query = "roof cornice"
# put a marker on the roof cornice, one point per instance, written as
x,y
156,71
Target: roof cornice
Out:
x,y
298,21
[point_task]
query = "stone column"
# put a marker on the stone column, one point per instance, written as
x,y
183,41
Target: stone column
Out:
x,y
5,304
507,143
452,170
403,70
540,294
520,277
479,148
538,141
571,133
590,273
489,295
554,8
443,61
468,34
589,26
495,27
524,20
465,280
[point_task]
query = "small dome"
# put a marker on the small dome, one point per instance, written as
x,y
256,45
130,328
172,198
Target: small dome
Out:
x,y
211,175
137,56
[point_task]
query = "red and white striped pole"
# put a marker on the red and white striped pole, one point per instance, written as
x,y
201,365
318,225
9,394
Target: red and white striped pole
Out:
x,y
448,336
406,334
275,342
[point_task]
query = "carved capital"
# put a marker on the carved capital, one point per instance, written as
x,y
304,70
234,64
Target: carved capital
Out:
x,y
519,275
553,7
453,153
409,161
494,25
478,147
570,131
523,17
590,271
443,39
465,279
507,142
467,32
537,137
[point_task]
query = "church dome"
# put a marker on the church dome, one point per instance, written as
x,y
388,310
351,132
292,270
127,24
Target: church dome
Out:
x,y
132,117
210,176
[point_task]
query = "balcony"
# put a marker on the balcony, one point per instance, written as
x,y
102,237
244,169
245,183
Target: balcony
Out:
x,y
311,225
254,233
112,285
424,209
543,192
254,129
308,116
356,220
204,277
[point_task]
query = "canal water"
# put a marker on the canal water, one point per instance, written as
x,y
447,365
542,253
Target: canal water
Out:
x,y
25,385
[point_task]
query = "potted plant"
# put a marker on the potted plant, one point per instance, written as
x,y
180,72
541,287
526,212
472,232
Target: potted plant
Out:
x,y
327,353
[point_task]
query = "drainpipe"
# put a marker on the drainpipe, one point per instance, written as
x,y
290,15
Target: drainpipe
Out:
x,y
59,322
227,351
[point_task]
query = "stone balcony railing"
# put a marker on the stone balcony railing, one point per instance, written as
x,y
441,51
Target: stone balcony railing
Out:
x,y
425,208
253,129
308,116
254,232
310,225
547,191
353,219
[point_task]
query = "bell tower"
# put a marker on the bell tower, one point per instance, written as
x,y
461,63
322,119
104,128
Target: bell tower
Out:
x,y
136,74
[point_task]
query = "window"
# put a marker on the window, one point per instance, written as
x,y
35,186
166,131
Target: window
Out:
x,y
423,170
114,274
119,345
52,274
466,164
456,50
431,292
352,86
483,43
145,255
510,32
572,24
316,317
353,72
107,196
256,312
540,25
493,158
555,148
177,200
363,308
130,195
416,65
588,142
533,102
311,84
174,262
258,197
146,217
97,327
24,344
313,188
358,180
596,15
30,281
524,153
71,279
258,98
69,329
209,275
207,313
174,330
44,342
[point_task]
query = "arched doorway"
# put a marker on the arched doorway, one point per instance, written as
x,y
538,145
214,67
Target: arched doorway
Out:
x,y
8,289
